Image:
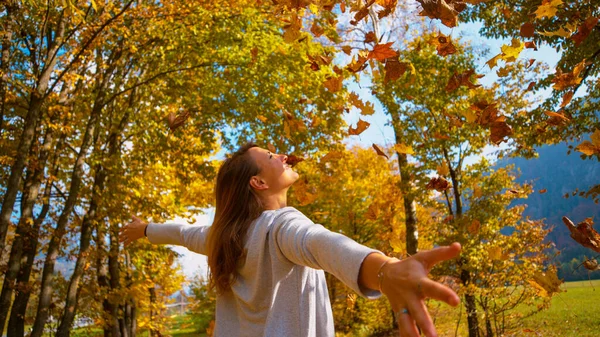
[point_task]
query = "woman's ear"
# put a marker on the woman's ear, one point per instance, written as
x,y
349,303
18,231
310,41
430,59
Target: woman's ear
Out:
x,y
258,184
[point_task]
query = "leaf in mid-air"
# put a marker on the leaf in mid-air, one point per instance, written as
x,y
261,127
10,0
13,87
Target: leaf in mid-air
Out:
x,y
461,79
380,151
360,127
547,283
383,51
584,233
548,8
584,30
438,183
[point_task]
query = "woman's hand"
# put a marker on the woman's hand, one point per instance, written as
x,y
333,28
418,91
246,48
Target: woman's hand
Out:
x,y
132,231
406,285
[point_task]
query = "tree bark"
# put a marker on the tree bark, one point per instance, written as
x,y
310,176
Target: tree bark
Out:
x,y
38,96
26,225
410,208
4,60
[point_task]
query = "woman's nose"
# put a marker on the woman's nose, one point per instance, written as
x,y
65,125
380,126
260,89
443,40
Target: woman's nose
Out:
x,y
284,158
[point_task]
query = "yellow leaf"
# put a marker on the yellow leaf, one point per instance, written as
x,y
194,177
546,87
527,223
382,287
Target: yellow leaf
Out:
x,y
548,8
262,118
477,192
503,72
368,109
586,148
495,253
403,148
493,61
560,32
548,282
474,227
511,53
596,138
443,170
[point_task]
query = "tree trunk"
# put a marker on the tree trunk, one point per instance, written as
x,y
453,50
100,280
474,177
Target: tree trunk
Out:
x,y
4,60
59,231
36,100
26,225
410,208
16,323
470,306
115,279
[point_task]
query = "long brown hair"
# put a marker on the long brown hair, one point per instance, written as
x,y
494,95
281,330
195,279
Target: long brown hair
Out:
x,y
236,207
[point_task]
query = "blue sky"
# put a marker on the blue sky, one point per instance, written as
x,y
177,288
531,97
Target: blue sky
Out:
x,y
382,134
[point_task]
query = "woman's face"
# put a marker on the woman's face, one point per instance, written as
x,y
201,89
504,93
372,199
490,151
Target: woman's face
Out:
x,y
275,174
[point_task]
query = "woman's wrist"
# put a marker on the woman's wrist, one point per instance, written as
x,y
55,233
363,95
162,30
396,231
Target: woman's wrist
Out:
x,y
145,230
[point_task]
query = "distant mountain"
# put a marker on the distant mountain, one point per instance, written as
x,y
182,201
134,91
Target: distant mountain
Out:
x,y
560,174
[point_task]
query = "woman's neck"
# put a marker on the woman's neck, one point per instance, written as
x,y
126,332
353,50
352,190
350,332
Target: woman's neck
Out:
x,y
274,201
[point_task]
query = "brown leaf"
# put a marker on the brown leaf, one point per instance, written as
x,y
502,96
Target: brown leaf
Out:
x,y
530,86
360,127
271,148
584,233
542,191
347,50
438,183
566,99
293,160
358,65
370,37
316,29
379,151
527,30
334,83
176,122
474,226
530,63
394,69
498,132
332,156
591,264
372,212
464,78
584,30
531,45
440,9
382,51
445,46
564,80
556,118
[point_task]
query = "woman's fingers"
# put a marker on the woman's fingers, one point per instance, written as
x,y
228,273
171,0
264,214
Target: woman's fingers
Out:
x,y
419,313
406,324
438,291
439,254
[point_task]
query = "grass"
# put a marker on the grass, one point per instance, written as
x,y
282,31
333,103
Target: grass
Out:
x,y
573,312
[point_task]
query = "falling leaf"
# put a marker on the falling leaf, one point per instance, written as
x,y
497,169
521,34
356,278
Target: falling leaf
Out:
x,y
367,109
542,191
443,170
381,52
562,32
493,61
404,149
347,50
372,212
443,10
584,233
394,69
590,148
531,45
511,52
530,86
547,283
527,30
495,253
271,148
332,156
566,99
556,115
357,65
474,226
370,37
499,131
293,160
316,29
444,45
176,121
530,63
360,127
564,80
438,183
463,79
548,8
350,301
334,83
503,72
262,118
584,30
379,151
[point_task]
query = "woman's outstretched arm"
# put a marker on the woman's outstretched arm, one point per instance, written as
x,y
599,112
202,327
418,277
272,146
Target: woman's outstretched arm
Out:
x,y
406,285
193,237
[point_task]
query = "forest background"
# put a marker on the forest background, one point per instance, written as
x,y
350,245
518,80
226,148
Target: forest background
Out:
x,y
113,108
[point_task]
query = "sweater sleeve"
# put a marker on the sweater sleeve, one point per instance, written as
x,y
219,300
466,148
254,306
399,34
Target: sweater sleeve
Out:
x,y
305,243
193,237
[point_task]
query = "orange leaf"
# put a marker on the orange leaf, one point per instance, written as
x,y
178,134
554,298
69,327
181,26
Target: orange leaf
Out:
x,y
334,83
567,99
584,233
394,69
474,226
527,30
382,51
464,78
548,283
293,160
584,30
557,115
542,191
445,46
446,11
361,126
379,151
316,29
438,183
271,148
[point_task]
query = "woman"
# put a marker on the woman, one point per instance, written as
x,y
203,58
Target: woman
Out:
x,y
267,259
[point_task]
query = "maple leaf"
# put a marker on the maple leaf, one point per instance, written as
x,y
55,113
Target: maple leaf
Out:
x,y
474,226
511,52
503,72
547,283
347,50
548,8
361,126
564,80
444,45
446,11
464,78
293,160
334,83
590,148
394,69
530,63
584,30
332,156
531,45
357,65
498,131
316,29
530,86
381,52
494,61
591,264
404,149
176,121
367,109
370,37
584,233
372,212
443,170
438,183
527,29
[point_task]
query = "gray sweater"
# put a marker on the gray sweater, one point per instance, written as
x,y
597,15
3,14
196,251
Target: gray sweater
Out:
x,y
280,289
